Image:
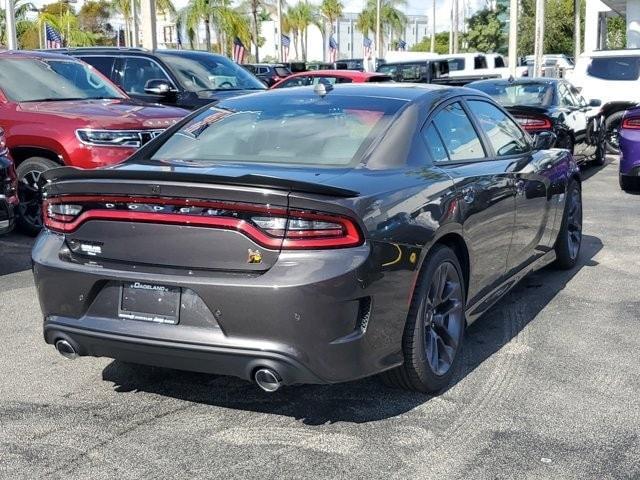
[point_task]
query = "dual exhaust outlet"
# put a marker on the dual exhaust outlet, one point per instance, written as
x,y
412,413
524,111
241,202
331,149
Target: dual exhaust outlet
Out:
x,y
266,378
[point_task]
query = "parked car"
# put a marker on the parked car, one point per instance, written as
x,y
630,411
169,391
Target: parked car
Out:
x,y
630,150
330,77
552,105
318,66
56,110
468,67
299,223
182,78
268,73
8,188
612,77
350,64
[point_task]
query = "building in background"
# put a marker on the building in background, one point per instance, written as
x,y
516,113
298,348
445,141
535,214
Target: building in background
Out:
x,y
600,12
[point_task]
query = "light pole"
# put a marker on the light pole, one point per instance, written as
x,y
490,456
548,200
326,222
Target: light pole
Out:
x,y
12,41
148,14
513,37
576,29
279,38
538,49
134,17
378,39
433,29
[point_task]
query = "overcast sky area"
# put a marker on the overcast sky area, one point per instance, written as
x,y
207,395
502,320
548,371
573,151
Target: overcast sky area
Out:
x,y
414,7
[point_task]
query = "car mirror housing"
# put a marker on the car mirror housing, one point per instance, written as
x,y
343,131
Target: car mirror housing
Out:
x,y
158,87
544,141
595,102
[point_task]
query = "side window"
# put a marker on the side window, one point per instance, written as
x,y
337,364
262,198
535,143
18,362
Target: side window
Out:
x,y
505,136
136,72
458,135
103,64
296,82
578,96
479,62
566,99
343,80
434,144
498,62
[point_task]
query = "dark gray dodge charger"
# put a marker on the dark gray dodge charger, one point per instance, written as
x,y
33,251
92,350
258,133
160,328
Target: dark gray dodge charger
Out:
x,y
307,235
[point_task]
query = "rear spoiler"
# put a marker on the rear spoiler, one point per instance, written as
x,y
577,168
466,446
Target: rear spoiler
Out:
x,y
63,174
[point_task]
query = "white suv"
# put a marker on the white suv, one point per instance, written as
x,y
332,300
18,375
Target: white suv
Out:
x,y
613,77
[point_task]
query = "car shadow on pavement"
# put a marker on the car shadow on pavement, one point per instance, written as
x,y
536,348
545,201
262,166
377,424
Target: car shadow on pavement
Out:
x,y
364,400
15,253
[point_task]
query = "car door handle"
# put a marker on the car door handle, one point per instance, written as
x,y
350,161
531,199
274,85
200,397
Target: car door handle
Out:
x,y
468,194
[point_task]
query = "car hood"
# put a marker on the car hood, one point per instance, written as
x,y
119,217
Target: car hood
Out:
x,y
121,114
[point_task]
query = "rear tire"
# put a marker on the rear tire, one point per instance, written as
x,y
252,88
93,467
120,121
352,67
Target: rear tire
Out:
x,y
600,157
628,184
30,185
611,128
569,239
434,331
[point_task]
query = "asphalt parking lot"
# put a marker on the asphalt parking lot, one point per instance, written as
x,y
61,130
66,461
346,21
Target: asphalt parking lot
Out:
x,y
549,387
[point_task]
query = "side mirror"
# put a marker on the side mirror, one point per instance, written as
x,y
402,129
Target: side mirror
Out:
x,y
595,102
544,141
157,87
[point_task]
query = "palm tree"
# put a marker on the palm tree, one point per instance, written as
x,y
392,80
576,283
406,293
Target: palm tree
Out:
x,y
255,8
196,12
123,7
299,17
392,20
330,11
21,8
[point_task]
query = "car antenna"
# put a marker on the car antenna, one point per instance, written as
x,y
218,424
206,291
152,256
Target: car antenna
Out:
x,y
322,88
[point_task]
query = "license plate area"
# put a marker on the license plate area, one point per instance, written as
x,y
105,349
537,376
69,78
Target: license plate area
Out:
x,y
149,303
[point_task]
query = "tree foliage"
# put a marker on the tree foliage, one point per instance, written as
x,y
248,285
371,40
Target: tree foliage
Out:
x,y
486,32
442,44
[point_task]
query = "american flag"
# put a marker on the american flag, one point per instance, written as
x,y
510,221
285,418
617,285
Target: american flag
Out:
x,y
286,43
402,45
333,50
367,43
53,37
238,51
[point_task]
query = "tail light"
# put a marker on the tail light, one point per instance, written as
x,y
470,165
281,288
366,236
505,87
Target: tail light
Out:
x,y
631,123
533,124
270,227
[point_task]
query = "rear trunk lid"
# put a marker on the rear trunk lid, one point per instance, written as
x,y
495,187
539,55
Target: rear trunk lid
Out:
x,y
184,218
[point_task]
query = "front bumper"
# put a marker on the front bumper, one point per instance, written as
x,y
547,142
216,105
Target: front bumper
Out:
x,y
314,317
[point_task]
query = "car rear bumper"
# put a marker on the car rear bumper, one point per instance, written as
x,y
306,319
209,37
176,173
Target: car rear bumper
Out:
x,y
314,317
7,215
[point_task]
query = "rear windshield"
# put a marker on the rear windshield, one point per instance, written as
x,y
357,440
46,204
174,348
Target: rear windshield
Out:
x,y
615,68
282,71
507,94
294,129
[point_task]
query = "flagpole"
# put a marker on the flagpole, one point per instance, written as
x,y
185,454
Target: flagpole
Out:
x,y
433,31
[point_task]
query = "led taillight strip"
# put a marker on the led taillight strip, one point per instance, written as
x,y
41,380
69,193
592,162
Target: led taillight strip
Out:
x,y
350,237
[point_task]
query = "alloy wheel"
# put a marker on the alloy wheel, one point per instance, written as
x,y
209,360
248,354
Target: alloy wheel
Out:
x,y
443,318
30,195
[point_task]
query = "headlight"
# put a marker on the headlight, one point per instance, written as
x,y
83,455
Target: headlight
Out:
x,y
110,138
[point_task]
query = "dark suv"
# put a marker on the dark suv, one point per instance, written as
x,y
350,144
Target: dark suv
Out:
x,y
268,73
183,78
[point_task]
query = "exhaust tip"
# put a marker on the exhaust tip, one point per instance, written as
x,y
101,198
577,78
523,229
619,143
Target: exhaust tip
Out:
x,y
267,379
66,349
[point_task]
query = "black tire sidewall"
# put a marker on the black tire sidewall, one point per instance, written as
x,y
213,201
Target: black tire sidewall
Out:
x,y
39,164
609,121
563,255
428,380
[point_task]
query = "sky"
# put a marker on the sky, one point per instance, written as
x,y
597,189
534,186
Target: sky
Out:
x,y
414,7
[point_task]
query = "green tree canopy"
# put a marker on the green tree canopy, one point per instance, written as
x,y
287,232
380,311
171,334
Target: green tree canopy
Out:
x,y
442,44
486,32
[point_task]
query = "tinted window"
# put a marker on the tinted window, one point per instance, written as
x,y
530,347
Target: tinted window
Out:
x,y
278,129
206,72
455,64
457,132
479,62
435,145
137,71
615,68
282,71
29,80
103,64
296,82
405,72
498,62
505,136
509,94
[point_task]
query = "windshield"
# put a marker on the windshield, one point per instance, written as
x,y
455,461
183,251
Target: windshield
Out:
x,y
31,80
508,95
210,72
293,129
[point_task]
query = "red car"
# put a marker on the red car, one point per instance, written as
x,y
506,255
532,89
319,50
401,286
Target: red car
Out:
x,y
56,110
303,79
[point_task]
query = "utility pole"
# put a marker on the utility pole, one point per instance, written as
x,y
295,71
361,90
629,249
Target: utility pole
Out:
x,y
148,11
378,38
513,37
538,50
12,42
456,20
279,38
576,29
433,28
134,27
